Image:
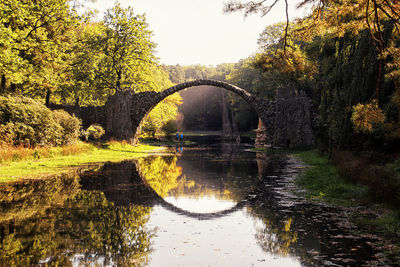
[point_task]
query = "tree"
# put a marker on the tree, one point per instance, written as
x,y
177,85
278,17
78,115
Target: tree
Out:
x,y
339,17
115,54
271,36
126,47
34,36
176,73
167,109
82,85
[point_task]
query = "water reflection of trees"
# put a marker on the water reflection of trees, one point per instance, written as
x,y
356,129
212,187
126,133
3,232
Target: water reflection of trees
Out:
x,y
277,239
97,218
206,175
54,222
225,176
314,233
161,173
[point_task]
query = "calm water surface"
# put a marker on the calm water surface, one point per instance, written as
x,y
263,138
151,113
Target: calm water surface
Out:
x,y
210,206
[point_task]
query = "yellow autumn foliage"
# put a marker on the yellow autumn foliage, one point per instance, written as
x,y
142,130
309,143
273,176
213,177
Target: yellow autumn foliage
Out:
x,y
160,173
366,116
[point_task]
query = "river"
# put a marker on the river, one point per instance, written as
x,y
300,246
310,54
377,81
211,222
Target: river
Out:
x,y
219,205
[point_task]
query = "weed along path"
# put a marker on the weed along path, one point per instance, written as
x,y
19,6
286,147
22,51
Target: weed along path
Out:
x,y
54,161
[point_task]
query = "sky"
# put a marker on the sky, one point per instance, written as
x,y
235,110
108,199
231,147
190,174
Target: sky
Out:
x,y
197,31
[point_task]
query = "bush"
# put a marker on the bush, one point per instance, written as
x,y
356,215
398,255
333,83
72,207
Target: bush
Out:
x,y
170,127
383,180
95,131
70,125
27,122
18,134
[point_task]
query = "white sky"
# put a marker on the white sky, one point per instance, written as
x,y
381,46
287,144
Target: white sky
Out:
x,y
197,32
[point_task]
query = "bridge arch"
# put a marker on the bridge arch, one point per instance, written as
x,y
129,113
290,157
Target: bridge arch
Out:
x,y
142,103
288,119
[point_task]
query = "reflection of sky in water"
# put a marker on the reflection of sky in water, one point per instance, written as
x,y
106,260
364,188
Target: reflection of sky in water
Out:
x,y
228,240
206,204
224,241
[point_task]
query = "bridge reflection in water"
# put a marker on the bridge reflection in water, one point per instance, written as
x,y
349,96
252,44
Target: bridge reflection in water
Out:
x,y
135,213
146,182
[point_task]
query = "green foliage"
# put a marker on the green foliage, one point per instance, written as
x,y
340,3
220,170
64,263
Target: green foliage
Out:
x,y
343,54
167,109
70,125
170,127
84,87
348,68
126,47
17,163
35,37
24,121
322,180
48,50
161,114
95,131
180,74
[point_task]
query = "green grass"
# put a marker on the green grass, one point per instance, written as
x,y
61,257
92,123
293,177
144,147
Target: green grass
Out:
x,y
57,163
160,142
251,134
388,222
201,133
276,150
323,182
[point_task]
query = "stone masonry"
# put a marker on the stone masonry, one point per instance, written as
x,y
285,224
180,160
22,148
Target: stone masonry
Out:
x,y
286,121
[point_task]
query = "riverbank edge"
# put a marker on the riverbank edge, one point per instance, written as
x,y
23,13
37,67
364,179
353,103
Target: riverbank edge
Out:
x,y
320,182
60,162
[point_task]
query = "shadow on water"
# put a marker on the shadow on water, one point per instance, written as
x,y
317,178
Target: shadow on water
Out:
x,y
56,222
101,216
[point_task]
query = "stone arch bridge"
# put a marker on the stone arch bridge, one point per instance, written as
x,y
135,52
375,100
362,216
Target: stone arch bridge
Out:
x,y
287,120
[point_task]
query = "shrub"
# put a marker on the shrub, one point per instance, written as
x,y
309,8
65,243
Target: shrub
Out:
x,y
18,134
70,125
170,127
149,128
383,181
95,131
27,122
83,135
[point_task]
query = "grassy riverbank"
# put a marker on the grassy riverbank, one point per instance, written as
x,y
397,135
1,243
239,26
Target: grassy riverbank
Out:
x,y
323,182
165,142
17,163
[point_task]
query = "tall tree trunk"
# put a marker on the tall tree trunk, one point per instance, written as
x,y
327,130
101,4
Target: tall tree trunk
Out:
x,y
3,84
77,110
119,76
48,93
226,123
13,87
77,105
